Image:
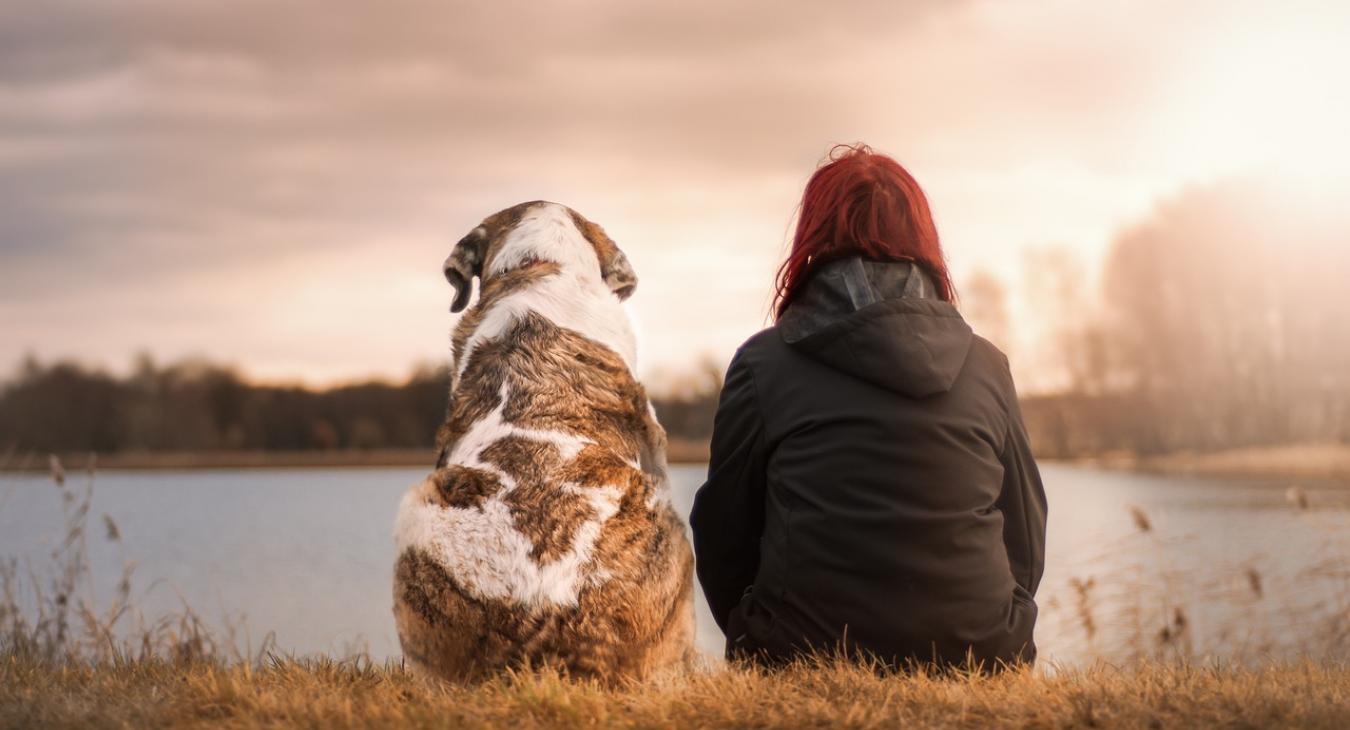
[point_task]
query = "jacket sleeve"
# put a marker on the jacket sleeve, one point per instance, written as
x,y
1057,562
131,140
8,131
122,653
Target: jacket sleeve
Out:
x,y
728,514
1022,502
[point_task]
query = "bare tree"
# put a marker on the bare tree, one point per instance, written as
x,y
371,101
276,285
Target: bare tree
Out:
x,y
984,303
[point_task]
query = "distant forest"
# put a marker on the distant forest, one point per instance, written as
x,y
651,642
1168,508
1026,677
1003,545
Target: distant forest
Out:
x,y
198,406
1220,322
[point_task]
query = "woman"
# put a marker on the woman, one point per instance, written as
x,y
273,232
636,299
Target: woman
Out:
x,y
871,487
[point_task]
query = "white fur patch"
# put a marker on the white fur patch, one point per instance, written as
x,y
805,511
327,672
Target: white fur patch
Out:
x,y
576,298
491,428
481,547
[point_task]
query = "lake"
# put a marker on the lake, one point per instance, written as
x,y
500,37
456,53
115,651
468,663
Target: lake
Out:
x,y
1137,565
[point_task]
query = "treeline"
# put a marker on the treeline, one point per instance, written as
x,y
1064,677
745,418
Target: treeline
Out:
x,y
198,406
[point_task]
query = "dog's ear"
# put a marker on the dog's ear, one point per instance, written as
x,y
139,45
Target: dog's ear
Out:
x,y
614,267
464,263
619,274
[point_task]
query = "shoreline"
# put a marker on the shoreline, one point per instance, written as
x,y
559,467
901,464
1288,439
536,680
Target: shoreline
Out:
x,y
1326,463
680,452
1308,462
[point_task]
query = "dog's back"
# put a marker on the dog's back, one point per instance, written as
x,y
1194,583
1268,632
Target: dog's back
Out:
x,y
546,535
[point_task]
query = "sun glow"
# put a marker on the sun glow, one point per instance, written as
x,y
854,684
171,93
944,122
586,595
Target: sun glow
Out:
x,y
1272,95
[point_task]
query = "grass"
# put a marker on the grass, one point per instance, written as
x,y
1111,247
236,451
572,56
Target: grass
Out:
x,y
327,693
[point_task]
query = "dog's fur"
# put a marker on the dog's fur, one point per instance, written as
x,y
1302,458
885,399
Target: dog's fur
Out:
x,y
546,536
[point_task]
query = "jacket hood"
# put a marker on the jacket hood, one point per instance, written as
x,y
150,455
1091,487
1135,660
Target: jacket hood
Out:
x,y
881,322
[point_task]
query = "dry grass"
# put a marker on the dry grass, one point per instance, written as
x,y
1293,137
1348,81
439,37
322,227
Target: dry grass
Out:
x,y
325,693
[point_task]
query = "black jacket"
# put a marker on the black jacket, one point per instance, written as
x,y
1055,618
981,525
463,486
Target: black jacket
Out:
x,y
870,483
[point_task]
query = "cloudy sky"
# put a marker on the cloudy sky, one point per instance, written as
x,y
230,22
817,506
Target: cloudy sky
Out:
x,y
276,187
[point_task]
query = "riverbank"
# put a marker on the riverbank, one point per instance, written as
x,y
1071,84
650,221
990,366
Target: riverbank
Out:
x,y
679,452
331,694
1294,463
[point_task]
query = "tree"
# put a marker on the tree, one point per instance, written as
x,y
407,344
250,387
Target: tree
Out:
x,y
984,303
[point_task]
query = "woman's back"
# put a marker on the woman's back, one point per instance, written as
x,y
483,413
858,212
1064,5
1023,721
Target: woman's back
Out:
x,y
870,479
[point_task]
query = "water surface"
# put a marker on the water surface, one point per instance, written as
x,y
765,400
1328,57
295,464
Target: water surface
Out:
x,y
1224,568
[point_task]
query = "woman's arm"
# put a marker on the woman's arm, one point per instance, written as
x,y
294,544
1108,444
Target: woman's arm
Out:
x,y
728,514
1022,502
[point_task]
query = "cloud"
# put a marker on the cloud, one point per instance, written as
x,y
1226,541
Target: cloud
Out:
x,y
276,183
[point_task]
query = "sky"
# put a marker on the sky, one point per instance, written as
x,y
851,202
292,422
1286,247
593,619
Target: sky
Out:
x,y
276,186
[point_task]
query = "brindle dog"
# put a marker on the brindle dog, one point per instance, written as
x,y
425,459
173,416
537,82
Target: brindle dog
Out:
x,y
546,535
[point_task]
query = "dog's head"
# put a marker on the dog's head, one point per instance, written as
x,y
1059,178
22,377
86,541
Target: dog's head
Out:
x,y
533,232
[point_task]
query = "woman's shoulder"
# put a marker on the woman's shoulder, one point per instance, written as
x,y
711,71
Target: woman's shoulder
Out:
x,y
764,346
987,352
761,340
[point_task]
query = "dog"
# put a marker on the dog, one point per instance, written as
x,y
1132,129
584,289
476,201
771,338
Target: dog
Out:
x,y
546,536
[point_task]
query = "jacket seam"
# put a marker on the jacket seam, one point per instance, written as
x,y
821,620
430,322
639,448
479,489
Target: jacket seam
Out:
x,y
1022,499
754,387
1011,418
762,441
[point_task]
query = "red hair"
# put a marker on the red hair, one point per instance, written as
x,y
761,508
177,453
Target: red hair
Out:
x,y
861,203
